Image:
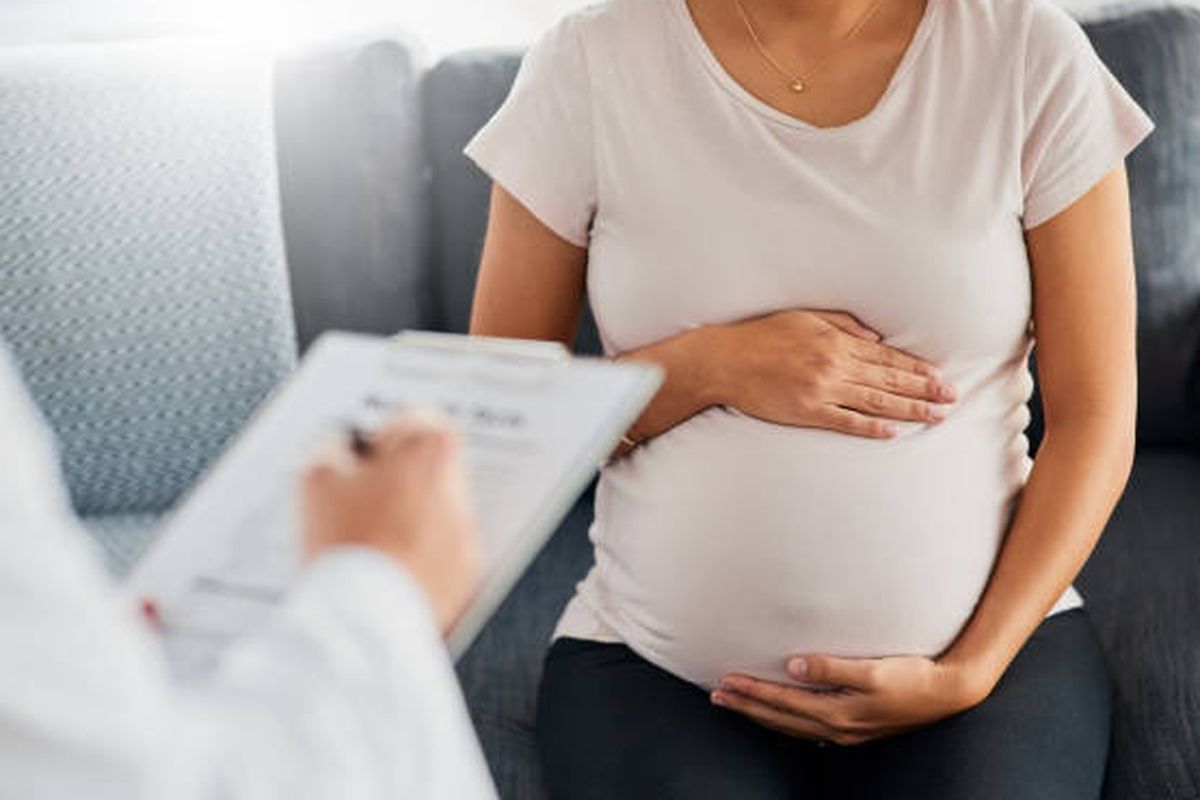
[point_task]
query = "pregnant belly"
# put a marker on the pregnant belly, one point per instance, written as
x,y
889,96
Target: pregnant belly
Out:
x,y
730,543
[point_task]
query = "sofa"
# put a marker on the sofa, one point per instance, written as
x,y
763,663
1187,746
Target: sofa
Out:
x,y
383,220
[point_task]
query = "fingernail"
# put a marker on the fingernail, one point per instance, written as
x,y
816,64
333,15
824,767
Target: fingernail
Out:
x,y
717,698
946,391
797,668
937,412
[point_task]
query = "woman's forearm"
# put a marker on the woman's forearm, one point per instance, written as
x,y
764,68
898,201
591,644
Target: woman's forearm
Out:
x,y
692,380
1079,474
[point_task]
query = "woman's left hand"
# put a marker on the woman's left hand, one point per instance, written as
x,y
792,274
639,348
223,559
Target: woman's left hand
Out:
x,y
866,699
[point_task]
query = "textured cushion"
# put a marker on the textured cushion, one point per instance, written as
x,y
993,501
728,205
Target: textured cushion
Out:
x,y
142,285
500,672
459,95
123,538
1142,589
353,187
1154,50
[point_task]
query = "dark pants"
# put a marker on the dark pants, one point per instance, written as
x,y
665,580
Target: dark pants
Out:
x,y
611,725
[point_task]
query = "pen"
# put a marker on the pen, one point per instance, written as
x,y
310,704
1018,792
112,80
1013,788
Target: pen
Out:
x,y
360,443
151,613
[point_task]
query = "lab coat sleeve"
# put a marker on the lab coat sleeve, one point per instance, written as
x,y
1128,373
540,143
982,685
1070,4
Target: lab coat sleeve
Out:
x,y
347,693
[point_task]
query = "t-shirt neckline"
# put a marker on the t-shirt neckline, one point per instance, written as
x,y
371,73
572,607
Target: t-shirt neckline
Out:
x,y
915,45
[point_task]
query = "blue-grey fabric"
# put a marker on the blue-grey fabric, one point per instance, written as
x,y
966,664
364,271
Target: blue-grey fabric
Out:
x,y
459,95
353,185
1142,592
500,672
122,538
142,284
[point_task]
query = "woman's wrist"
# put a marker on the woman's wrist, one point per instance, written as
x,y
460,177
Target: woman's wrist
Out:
x,y
692,361
704,354
970,678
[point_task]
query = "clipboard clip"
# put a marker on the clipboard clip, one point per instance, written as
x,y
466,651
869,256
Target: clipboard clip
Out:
x,y
527,360
484,345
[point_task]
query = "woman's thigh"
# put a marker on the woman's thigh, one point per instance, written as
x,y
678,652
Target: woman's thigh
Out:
x,y
1042,733
612,725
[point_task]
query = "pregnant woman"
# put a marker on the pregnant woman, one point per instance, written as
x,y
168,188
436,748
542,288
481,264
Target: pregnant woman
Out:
x,y
826,565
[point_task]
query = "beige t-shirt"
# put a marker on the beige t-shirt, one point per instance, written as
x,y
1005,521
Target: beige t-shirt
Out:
x,y
728,542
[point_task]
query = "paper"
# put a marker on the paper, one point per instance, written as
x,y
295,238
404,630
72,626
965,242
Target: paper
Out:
x,y
534,429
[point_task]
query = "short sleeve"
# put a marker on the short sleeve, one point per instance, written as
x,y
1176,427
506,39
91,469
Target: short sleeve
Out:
x,y
538,144
1080,122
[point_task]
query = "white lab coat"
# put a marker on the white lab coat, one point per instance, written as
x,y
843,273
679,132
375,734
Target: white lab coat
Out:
x,y
349,694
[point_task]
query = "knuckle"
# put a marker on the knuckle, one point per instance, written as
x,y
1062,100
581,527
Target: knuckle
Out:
x,y
803,409
318,473
822,362
841,722
858,426
826,329
850,739
810,382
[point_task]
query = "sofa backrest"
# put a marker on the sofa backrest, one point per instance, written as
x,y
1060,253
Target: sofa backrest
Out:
x,y
459,95
354,186
142,284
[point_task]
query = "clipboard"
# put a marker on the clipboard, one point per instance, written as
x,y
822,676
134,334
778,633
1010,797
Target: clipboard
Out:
x,y
535,422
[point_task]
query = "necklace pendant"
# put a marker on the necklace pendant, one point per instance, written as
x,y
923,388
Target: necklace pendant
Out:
x,y
796,86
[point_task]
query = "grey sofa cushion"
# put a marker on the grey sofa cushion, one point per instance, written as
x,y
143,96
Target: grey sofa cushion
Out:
x,y
459,95
353,186
137,197
500,672
1142,590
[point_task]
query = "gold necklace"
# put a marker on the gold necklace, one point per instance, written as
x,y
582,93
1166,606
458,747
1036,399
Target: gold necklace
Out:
x,y
797,83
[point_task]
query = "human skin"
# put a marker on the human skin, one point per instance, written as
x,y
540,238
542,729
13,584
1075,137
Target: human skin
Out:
x,y
407,499
795,367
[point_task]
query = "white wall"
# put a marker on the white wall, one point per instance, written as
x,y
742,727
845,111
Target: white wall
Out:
x,y
442,25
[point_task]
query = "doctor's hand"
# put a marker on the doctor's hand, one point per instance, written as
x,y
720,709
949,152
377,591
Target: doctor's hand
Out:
x,y
407,498
864,699
823,369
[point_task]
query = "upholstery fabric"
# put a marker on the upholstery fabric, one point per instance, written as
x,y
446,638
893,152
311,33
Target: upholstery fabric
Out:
x,y
353,187
500,672
1141,589
122,538
142,284
459,94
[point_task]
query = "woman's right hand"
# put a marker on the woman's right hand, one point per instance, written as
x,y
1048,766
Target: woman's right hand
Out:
x,y
407,499
823,369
